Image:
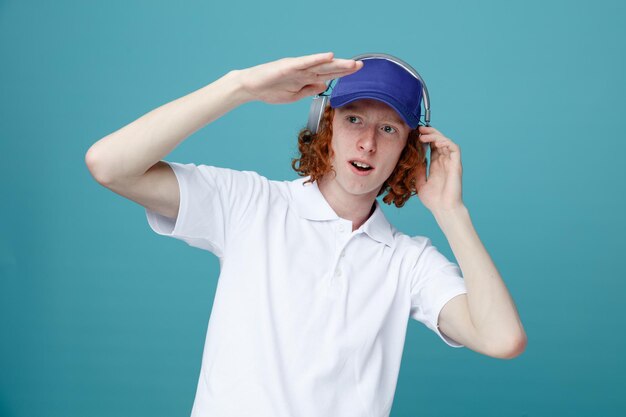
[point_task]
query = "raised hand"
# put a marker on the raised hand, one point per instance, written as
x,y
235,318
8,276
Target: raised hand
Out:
x,y
290,79
442,190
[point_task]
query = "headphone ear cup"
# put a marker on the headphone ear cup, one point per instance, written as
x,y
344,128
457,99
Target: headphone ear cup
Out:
x,y
315,113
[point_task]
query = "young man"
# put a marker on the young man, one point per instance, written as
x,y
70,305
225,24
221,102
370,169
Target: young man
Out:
x,y
316,287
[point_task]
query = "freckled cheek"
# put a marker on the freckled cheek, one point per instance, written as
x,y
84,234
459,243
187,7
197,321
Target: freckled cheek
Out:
x,y
339,149
390,164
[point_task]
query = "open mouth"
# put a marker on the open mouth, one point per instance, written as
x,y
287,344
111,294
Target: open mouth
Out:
x,y
361,166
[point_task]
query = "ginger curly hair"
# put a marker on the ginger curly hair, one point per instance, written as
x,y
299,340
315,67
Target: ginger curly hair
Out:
x,y
316,153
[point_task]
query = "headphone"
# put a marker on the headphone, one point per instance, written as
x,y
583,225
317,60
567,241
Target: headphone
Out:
x,y
320,101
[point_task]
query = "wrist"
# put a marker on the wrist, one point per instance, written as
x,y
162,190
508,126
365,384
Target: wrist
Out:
x,y
449,216
235,87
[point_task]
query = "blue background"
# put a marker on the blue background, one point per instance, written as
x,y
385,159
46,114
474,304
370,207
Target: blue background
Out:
x,y
99,316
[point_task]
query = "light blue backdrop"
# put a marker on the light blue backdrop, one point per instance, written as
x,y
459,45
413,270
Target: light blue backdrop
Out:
x,y
99,316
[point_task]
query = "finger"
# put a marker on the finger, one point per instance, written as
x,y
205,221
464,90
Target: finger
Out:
x,y
429,129
436,140
307,61
333,75
442,143
442,147
429,137
454,151
310,90
449,149
433,135
337,66
439,141
447,144
438,150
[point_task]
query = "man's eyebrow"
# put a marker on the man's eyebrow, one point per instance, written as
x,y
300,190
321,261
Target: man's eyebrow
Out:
x,y
348,107
392,116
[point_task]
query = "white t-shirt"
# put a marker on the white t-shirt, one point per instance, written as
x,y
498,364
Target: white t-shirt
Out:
x,y
309,317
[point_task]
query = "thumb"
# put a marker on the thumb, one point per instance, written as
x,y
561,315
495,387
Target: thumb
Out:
x,y
310,90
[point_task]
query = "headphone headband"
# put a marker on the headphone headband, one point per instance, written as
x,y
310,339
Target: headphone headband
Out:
x,y
320,101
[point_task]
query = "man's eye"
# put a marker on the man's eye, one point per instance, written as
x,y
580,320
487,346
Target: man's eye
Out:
x,y
389,129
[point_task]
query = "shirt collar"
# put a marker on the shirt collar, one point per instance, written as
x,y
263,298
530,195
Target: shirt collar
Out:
x,y
311,204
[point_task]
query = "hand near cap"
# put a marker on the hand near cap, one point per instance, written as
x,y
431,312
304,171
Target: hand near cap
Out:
x,y
442,189
290,79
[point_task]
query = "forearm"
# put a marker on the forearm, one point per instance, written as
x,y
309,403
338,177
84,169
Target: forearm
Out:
x,y
491,307
133,149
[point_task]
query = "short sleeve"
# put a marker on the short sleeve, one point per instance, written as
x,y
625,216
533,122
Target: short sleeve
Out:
x,y
436,281
214,202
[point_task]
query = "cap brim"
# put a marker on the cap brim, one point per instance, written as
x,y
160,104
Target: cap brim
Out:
x,y
342,100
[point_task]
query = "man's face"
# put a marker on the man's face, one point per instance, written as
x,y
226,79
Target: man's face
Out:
x,y
369,133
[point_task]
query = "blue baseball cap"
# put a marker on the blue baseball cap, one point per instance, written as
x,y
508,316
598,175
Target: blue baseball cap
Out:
x,y
382,80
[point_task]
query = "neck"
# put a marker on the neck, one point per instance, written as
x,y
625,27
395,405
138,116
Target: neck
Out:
x,y
357,209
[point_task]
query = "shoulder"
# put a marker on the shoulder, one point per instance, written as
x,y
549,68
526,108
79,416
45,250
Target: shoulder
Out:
x,y
416,252
409,245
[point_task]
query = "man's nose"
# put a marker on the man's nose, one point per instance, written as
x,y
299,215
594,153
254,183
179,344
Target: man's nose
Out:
x,y
367,141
